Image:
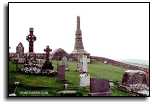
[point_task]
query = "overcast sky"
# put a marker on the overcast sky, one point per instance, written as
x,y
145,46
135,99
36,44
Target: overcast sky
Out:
x,y
116,31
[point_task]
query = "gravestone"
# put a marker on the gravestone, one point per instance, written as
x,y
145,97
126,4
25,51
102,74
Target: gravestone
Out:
x,y
61,72
84,76
134,80
99,87
84,79
65,62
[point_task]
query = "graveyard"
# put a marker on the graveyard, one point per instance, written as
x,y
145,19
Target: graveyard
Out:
x,y
59,73
52,85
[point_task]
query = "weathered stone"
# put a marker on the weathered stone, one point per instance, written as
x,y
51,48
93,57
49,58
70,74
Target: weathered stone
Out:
x,y
31,38
61,72
134,80
78,46
99,87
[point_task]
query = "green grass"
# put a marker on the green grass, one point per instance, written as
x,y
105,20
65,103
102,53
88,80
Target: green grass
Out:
x,y
52,85
104,71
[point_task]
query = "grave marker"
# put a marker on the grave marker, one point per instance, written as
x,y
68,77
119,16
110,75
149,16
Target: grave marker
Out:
x,y
84,76
47,50
84,79
99,87
61,72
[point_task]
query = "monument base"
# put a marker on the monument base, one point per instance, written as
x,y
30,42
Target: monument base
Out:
x,y
84,79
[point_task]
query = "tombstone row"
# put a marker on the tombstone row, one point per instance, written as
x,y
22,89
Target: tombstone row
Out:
x,y
98,87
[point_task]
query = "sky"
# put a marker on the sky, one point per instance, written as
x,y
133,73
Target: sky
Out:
x,y
111,30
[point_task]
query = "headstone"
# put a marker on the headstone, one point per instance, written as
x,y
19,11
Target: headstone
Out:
x,y
99,87
84,79
65,62
61,72
134,80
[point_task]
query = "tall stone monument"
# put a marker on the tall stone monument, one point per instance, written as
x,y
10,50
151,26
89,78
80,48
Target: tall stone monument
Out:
x,y
31,38
78,40
78,47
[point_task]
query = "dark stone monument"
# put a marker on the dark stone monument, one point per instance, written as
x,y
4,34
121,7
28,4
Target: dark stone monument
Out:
x,y
99,87
47,50
31,38
47,64
61,72
134,80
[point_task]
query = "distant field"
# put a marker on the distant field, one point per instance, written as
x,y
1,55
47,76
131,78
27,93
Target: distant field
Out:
x,y
52,85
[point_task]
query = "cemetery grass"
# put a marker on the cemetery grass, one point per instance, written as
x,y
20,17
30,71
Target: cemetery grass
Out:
x,y
49,86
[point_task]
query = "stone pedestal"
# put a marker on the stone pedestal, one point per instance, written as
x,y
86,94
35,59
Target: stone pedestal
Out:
x,y
84,79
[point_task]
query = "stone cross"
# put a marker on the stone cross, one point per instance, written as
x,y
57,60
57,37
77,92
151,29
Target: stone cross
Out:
x,y
47,50
31,38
